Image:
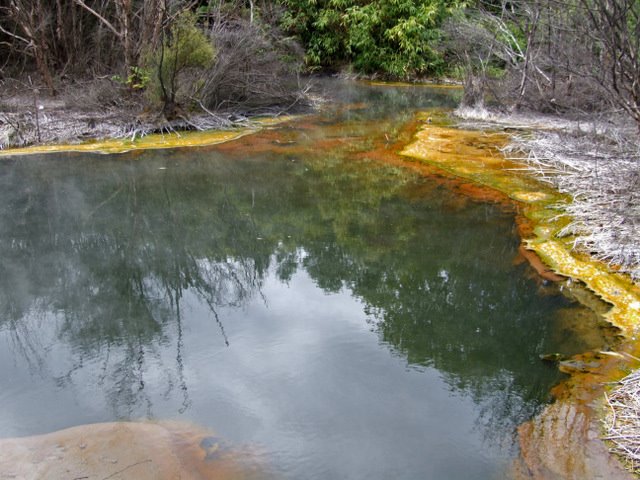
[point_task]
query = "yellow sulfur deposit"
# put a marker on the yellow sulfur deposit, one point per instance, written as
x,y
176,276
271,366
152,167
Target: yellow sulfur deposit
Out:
x,y
377,83
152,141
475,155
121,145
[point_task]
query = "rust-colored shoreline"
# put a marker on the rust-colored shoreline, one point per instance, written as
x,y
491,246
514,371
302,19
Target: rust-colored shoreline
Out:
x,y
154,141
564,441
474,156
166,450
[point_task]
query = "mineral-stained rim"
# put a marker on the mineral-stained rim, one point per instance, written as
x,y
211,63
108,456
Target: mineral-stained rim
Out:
x,y
122,145
563,441
475,156
449,85
175,139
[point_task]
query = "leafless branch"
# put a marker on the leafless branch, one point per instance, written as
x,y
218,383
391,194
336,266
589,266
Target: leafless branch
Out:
x,y
106,22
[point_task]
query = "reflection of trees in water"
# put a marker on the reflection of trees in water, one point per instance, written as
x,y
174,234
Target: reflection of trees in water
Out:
x,y
441,290
113,280
381,101
113,253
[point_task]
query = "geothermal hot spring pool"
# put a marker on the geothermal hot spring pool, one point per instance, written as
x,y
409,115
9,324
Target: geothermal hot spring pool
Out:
x,y
298,291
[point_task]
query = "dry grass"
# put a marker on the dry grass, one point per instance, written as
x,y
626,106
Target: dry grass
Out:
x,y
622,423
601,171
597,163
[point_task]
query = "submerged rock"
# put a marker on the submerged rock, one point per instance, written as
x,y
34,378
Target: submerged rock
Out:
x,y
552,357
153,451
571,366
564,443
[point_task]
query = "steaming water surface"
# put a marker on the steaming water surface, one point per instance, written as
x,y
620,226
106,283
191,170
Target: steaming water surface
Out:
x,y
347,318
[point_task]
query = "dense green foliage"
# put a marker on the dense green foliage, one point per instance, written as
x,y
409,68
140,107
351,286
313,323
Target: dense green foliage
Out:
x,y
398,38
566,56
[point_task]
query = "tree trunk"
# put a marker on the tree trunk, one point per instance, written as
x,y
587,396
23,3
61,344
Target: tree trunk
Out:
x,y
29,17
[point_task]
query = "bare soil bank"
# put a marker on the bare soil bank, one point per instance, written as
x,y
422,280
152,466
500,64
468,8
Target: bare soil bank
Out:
x,y
140,450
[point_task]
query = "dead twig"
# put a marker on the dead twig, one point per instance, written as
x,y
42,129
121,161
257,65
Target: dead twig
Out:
x,y
600,170
622,424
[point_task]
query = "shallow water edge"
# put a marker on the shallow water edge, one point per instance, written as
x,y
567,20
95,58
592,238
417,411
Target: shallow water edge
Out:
x,y
473,156
564,440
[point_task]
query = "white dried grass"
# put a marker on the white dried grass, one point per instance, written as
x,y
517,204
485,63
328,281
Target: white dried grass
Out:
x,y
597,163
622,422
602,175
474,116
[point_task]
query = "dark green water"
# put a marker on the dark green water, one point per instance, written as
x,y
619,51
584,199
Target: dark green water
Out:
x,y
350,319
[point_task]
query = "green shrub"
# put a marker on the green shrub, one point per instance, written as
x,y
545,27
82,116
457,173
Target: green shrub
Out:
x,y
137,79
177,65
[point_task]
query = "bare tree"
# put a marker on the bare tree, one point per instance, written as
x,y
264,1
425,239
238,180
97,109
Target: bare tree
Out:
x,y
614,30
491,35
135,24
33,19
576,56
249,73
